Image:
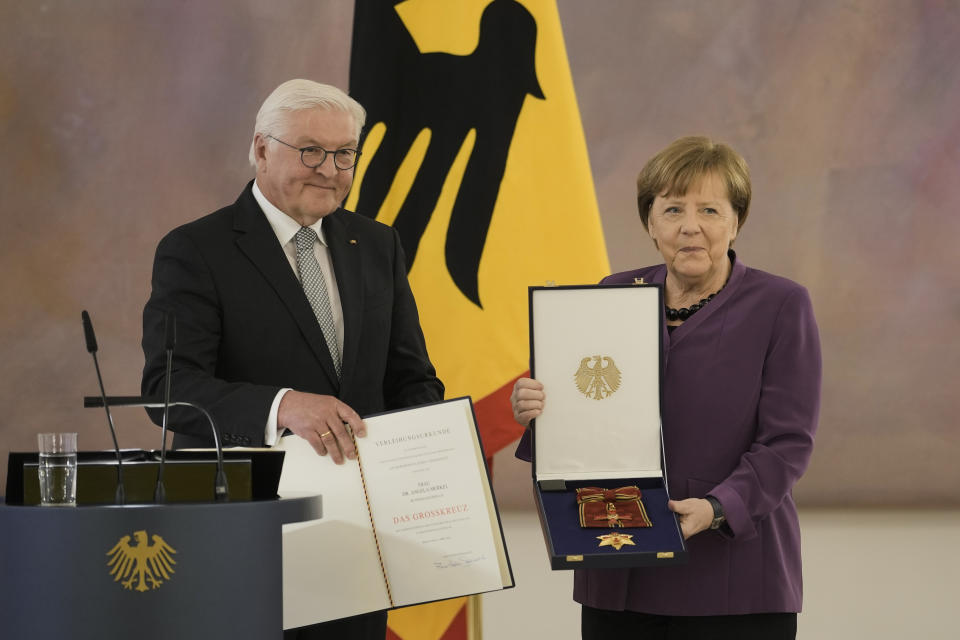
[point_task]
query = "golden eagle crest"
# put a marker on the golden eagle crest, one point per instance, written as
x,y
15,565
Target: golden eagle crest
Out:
x,y
598,381
142,564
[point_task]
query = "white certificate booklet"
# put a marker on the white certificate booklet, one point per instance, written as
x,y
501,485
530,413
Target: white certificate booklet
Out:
x,y
414,520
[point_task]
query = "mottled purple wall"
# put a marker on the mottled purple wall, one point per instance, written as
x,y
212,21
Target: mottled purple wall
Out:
x,y
849,115
121,120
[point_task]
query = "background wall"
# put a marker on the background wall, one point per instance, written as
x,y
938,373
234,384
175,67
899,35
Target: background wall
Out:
x,y
123,120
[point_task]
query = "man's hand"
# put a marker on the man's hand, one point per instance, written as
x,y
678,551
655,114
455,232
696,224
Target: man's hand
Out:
x,y
527,400
322,421
695,515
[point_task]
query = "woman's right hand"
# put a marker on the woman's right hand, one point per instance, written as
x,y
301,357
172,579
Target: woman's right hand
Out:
x,y
527,400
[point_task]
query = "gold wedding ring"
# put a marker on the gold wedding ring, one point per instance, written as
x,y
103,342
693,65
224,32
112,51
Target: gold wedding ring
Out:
x,y
324,434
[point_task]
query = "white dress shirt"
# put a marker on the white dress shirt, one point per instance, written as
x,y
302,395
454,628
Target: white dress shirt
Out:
x,y
286,228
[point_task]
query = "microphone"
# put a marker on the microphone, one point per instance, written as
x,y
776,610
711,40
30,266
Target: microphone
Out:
x,y
170,339
220,488
91,338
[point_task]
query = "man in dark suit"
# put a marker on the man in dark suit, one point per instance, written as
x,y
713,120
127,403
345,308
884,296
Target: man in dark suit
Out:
x,y
292,313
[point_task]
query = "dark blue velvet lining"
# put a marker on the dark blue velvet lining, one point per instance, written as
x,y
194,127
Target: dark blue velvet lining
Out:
x,y
567,537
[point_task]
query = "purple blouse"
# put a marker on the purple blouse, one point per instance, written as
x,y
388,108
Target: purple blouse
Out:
x,y
741,395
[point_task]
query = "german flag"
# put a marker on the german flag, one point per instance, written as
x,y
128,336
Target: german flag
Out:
x,y
475,153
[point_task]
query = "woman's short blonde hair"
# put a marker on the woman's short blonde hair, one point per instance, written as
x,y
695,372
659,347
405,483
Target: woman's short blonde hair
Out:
x,y
682,165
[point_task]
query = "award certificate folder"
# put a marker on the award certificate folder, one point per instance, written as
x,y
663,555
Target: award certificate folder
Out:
x,y
413,520
597,351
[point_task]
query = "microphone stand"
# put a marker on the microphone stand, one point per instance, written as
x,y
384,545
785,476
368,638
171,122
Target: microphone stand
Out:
x,y
120,496
170,326
221,492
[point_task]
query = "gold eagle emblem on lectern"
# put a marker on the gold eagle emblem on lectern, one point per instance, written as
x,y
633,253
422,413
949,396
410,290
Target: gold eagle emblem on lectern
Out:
x,y
141,566
600,380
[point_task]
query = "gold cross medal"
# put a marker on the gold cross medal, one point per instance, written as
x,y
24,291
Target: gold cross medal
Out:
x,y
616,540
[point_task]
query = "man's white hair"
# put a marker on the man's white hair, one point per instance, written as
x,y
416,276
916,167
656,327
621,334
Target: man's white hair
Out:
x,y
295,95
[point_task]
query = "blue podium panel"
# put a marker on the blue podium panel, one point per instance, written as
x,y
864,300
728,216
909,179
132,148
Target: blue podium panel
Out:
x,y
145,571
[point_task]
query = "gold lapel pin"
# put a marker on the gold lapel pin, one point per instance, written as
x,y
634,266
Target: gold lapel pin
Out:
x,y
353,241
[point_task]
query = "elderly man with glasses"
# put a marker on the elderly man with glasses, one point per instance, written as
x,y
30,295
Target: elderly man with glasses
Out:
x,y
292,313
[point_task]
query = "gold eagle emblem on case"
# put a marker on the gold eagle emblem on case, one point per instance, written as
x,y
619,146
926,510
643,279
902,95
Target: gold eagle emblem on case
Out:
x,y
141,566
600,380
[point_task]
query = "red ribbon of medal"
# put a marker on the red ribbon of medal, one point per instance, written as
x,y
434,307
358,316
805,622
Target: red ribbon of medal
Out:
x,y
605,508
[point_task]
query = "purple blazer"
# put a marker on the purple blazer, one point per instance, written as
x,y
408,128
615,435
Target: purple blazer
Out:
x,y
741,394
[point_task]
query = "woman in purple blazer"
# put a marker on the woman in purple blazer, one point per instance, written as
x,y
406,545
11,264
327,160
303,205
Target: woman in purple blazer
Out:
x,y
741,394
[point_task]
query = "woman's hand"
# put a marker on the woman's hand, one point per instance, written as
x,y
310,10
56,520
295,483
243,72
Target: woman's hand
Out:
x,y
527,400
695,515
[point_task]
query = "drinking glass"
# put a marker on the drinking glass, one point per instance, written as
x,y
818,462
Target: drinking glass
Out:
x,y
58,469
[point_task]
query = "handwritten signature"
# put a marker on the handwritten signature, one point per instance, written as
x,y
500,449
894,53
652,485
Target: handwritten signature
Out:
x,y
458,562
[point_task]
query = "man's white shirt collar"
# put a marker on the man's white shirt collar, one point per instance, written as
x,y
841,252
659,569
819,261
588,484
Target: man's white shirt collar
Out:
x,y
283,225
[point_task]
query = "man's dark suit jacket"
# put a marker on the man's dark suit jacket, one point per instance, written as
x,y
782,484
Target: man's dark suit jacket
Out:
x,y
245,328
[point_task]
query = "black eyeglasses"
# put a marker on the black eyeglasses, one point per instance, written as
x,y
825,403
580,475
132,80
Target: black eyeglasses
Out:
x,y
313,157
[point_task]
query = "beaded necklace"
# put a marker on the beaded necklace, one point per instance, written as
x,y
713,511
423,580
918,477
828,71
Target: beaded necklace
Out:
x,y
686,312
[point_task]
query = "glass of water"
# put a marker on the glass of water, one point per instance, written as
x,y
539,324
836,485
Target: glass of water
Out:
x,y
58,469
